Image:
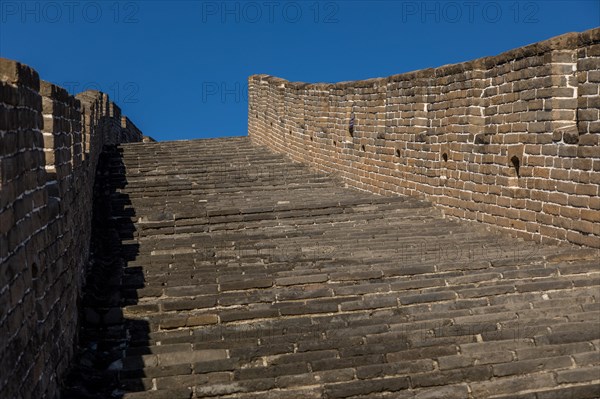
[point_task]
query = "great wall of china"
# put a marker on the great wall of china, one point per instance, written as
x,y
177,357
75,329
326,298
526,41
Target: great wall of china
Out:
x,y
511,142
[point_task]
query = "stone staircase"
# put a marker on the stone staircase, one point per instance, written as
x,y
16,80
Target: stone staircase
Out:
x,y
241,274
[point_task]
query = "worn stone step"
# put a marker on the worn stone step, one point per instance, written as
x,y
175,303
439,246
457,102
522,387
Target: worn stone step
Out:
x,y
300,287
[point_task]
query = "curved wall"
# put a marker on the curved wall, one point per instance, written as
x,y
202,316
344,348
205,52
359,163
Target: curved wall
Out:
x,y
510,140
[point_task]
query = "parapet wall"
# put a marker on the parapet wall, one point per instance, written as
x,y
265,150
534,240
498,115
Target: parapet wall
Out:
x,y
510,140
50,142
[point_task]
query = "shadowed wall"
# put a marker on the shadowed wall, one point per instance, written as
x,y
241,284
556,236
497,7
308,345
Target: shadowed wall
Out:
x,y
50,144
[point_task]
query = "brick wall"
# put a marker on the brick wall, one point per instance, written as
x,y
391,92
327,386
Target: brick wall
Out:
x,y
510,140
50,142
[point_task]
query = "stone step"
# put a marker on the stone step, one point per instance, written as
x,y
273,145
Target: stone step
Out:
x,y
246,275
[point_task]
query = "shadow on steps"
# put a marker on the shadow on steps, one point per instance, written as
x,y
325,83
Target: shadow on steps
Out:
x,y
105,334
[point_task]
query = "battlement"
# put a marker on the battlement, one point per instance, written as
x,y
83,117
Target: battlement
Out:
x,y
51,142
510,140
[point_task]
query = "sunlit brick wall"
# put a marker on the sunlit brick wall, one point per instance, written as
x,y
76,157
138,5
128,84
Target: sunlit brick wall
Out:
x,y
510,140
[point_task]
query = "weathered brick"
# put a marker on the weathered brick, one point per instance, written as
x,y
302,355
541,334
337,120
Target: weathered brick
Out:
x,y
578,375
329,376
529,366
354,388
512,385
427,297
246,284
314,278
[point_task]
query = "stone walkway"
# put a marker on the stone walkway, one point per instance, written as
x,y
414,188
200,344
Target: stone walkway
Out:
x,y
245,275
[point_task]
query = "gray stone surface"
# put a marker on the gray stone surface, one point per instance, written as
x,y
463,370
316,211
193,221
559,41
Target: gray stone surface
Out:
x,y
286,284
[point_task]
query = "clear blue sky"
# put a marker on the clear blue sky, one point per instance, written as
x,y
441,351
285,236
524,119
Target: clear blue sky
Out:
x,y
179,69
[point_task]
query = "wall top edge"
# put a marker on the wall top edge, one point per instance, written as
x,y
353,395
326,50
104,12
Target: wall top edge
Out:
x,y
14,73
567,41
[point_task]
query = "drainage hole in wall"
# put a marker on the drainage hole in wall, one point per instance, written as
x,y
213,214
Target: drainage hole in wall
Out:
x,y
516,164
445,157
362,147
